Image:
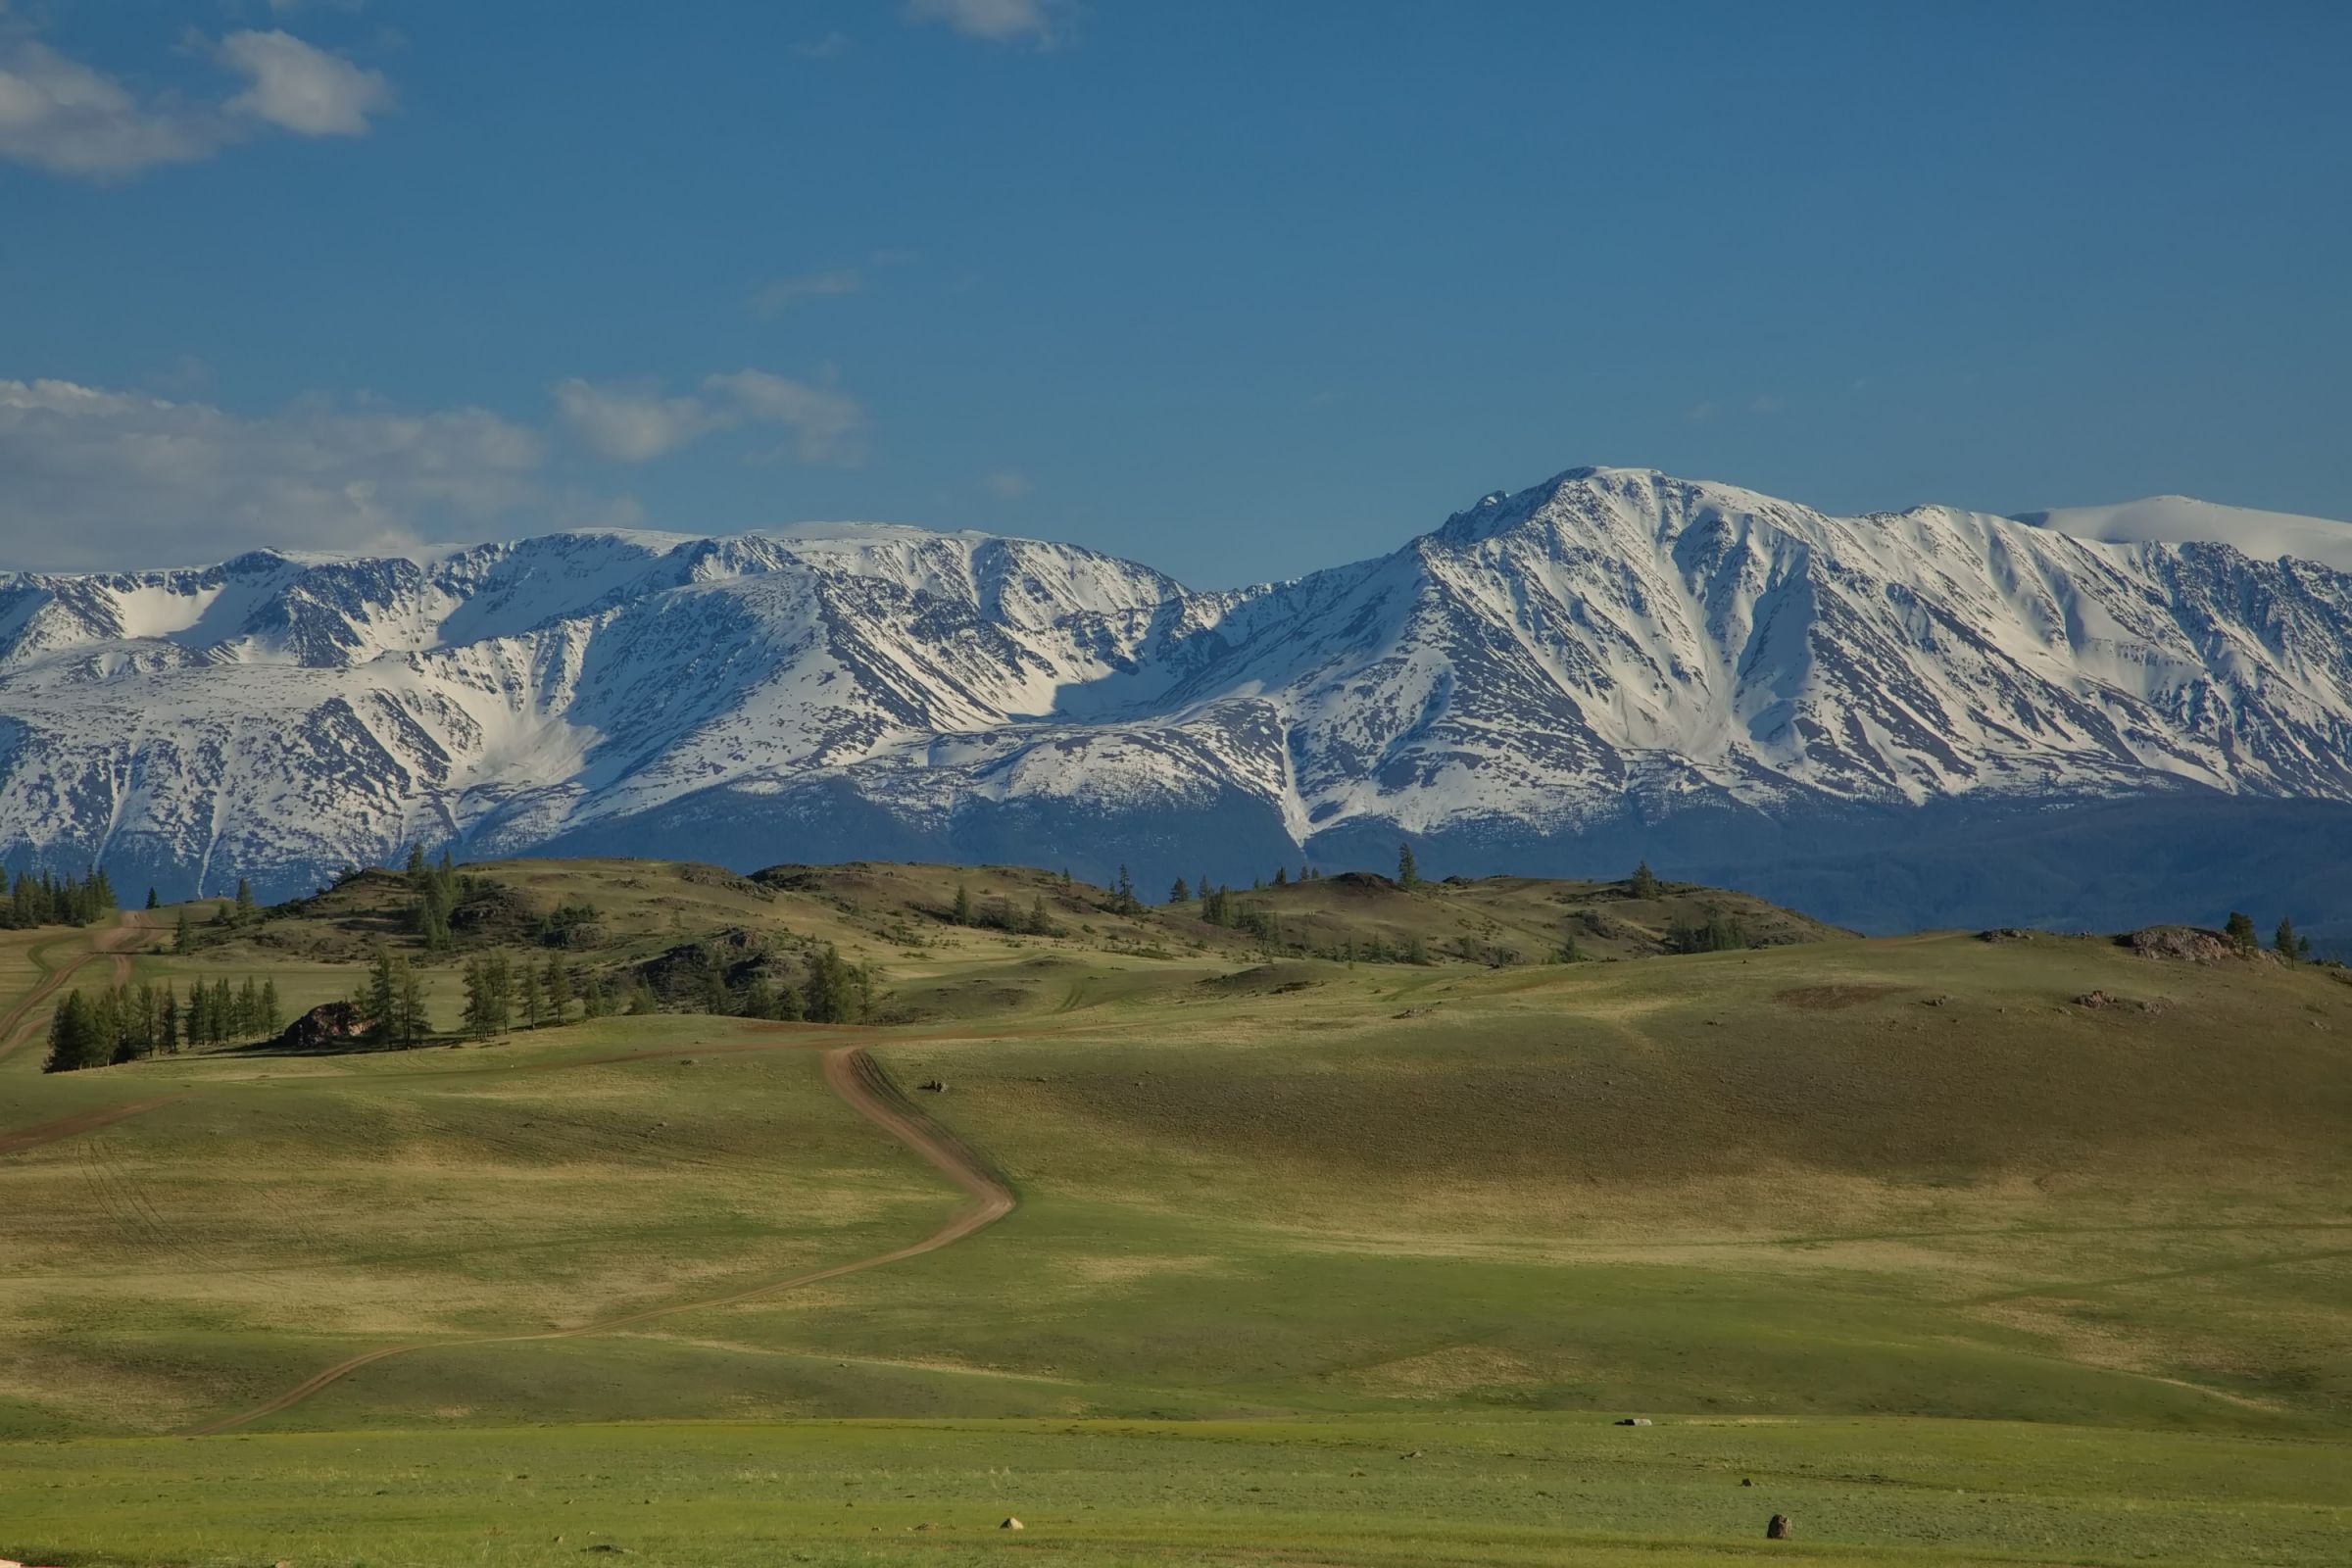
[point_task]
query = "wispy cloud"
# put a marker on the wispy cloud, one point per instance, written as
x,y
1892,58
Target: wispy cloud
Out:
x,y
66,117
631,421
774,298
93,477
635,422
1040,22
1009,485
832,46
302,89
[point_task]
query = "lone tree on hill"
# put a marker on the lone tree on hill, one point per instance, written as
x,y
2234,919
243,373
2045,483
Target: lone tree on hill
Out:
x,y
963,904
1180,894
2240,931
1408,871
1646,881
2287,945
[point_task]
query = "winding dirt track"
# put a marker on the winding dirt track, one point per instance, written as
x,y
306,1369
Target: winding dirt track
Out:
x,y
115,943
853,1075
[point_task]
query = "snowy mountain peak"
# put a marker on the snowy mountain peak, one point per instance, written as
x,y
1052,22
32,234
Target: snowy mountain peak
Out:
x,y
1612,647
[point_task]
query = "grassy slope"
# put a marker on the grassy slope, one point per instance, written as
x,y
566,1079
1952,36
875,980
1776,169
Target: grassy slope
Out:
x,y
1832,1182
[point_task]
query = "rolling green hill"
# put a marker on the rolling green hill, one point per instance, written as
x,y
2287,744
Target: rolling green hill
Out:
x,y
1964,1249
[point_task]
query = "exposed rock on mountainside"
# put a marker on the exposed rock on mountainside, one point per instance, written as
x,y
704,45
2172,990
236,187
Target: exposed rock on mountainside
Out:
x,y
1873,718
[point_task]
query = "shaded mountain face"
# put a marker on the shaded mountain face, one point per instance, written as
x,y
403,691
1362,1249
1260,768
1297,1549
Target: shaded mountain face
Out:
x,y
1613,664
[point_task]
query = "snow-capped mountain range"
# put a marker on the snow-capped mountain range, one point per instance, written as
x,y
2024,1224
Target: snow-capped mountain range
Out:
x,y
1611,664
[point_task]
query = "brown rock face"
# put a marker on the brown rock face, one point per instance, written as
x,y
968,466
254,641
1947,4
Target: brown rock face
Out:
x,y
323,1027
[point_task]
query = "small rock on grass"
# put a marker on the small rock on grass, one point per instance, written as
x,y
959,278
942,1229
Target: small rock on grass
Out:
x,y
1013,1524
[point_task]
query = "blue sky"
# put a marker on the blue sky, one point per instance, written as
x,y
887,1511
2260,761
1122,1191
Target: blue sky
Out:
x,y
1235,290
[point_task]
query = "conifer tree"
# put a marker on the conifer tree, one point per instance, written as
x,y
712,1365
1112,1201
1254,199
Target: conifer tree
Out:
x,y
1644,882
379,1007
555,982
409,1025
183,939
1408,869
73,1037
246,907
2286,944
1180,894
2240,931
154,901
477,1001
963,904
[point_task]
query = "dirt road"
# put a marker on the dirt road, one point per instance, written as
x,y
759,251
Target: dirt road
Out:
x,y
853,1075
115,943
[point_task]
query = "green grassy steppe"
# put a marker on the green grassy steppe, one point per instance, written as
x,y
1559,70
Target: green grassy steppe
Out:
x,y
1949,1262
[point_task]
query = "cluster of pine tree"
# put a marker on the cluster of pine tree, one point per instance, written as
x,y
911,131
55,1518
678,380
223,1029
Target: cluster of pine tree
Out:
x,y
504,994
833,991
124,1023
997,914
391,1004
568,925
437,890
217,1016
46,900
837,991
1720,934
2285,942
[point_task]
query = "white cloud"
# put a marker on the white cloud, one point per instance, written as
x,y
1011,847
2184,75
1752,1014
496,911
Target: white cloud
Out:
x,y
633,421
827,426
1008,483
1002,21
96,477
832,46
774,299
64,118
302,89
59,116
